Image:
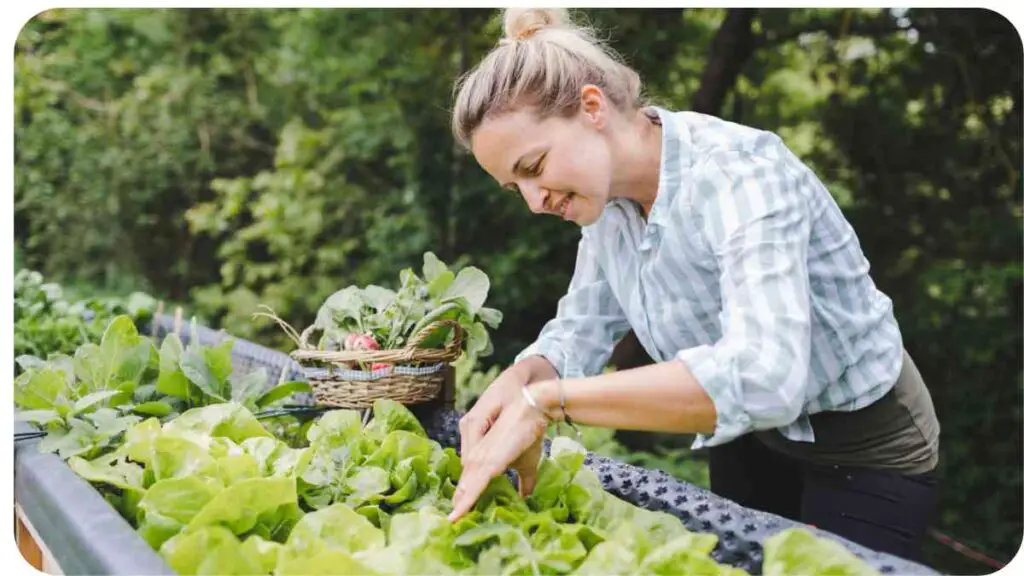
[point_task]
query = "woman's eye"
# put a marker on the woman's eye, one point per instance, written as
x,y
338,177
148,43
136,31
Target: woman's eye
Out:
x,y
535,169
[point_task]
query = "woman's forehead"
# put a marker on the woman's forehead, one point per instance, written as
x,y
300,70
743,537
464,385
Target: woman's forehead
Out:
x,y
501,140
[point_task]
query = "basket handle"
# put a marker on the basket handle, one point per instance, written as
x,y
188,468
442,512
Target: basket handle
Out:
x,y
452,348
303,341
410,352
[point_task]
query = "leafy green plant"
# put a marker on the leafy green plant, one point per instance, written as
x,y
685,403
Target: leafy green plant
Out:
x,y
82,401
197,375
214,492
45,322
85,402
392,317
376,317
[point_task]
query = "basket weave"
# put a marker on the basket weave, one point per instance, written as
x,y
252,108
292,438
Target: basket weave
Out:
x,y
331,389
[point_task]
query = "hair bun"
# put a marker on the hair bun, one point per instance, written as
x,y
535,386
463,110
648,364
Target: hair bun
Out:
x,y
522,23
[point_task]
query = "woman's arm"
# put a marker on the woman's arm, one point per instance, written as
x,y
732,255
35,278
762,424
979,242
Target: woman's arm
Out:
x,y
574,343
663,397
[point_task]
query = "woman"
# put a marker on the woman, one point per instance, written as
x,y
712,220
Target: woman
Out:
x,y
736,270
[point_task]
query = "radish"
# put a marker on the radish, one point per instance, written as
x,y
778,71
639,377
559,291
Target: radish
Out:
x,y
355,341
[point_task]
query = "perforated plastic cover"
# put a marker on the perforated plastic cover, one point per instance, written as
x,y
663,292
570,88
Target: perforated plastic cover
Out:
x,y
741,531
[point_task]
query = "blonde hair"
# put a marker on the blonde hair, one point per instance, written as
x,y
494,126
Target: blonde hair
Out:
x,y
544,61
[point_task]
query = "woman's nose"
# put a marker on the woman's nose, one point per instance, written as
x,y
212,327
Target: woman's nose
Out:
x,y
536,198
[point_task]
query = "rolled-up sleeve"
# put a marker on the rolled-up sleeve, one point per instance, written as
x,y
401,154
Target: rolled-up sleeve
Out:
x,y
757,222
579,340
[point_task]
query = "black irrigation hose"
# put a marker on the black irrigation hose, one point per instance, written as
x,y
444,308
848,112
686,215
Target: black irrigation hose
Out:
x,y
296,410
28,435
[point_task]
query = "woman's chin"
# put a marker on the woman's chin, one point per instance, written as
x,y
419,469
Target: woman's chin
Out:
x,y
586,217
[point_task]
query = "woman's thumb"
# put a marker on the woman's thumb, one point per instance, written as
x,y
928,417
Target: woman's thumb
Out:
x,y
527,482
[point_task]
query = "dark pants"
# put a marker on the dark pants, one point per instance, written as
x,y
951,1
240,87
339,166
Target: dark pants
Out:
x,y
882,510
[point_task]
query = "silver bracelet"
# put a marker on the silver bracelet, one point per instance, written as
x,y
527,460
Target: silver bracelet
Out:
x,y
533,403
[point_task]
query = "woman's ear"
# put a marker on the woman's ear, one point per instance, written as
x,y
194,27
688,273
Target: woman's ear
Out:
x,y
593,105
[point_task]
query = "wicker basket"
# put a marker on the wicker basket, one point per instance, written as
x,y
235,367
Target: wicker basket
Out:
x,y
336,385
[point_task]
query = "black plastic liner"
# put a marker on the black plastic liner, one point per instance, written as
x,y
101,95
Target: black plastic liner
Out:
x,y
87,536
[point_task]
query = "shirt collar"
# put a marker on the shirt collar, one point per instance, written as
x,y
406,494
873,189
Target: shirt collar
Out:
x,y
676,157
676,150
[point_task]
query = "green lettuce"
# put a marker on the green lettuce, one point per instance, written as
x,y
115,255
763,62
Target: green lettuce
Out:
x,y
215,493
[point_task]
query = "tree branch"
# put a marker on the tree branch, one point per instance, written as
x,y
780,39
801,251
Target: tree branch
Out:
x,y
732,47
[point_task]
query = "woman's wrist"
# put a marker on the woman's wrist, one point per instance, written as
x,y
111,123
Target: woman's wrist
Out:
x,y
535,369
548,396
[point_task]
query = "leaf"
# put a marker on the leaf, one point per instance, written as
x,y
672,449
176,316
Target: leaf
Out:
x,y
798,551
398,446
472,284
490,316
27,361
218,359
608,558
378,297
337,528
341,306
154,408
228,420
140,305
390,416
239,506
245,389
118,473
123,354
172,380
552,479
195,367
326,561
132,364
91,368
478,340
67,443
485,532
210,550
368,481
43,389
344,425
171,456
448,310
440,284
263,552
62,363
89,401
282,391
174,499
38,417
147,392
432,267
688,552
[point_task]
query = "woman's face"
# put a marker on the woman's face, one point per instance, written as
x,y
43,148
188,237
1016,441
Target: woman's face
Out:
x,y
560,166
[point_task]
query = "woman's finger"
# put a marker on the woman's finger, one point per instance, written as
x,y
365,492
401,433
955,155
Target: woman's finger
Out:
x,y
474,425
476,475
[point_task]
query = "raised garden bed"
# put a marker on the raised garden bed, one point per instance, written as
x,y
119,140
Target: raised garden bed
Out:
x,y
80,533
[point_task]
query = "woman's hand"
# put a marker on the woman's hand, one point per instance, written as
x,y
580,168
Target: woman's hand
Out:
x,y
505,390
515,440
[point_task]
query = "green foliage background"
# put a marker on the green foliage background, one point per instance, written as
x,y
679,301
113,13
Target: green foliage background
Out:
x,y
226,158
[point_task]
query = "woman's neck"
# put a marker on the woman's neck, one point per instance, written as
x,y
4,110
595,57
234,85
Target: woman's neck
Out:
x,y
637,168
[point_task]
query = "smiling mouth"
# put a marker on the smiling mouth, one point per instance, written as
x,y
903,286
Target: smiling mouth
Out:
x,y
563,206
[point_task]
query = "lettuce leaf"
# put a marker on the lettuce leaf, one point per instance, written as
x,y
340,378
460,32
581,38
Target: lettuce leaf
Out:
x,y
210,550
798,551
